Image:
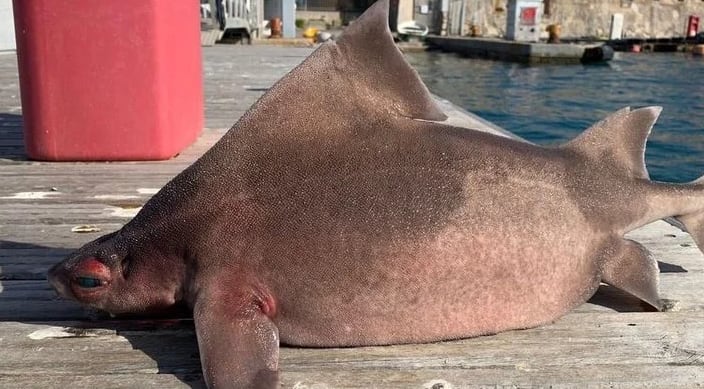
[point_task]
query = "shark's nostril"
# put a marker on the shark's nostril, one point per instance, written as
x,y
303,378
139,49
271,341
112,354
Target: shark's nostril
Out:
x,y
56,279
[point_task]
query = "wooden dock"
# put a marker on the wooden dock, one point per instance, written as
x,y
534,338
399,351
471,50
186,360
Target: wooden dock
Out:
x,y
613,341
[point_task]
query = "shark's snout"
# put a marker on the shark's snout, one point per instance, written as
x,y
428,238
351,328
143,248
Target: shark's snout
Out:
x,y
58,279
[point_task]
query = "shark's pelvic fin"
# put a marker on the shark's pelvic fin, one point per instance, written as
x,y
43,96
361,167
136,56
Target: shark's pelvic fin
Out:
x,y
630,267
619,139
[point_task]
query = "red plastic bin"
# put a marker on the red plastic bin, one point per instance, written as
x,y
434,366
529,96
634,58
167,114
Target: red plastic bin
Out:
x,y
109,80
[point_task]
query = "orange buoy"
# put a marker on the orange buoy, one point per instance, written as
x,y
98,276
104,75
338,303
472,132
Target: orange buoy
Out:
x,y
635,49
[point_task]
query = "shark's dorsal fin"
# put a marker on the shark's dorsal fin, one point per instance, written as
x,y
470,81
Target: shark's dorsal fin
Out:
x,y
369,49
362,75
619,139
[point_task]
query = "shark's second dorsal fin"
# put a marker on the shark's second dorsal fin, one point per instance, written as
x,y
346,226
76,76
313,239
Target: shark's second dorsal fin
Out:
x,y
619,139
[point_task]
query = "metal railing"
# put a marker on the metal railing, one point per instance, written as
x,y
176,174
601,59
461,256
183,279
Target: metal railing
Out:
x,y
234,14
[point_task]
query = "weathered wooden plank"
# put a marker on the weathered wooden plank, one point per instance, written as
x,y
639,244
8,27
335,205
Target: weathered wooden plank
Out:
x,y
16,272
117,381
106,216
636,349
51,235
35,300
13,142
354,379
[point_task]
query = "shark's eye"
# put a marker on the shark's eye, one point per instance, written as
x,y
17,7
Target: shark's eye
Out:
x,y
89,282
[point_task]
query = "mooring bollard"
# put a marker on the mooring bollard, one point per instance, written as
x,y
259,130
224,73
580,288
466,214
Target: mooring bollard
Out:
x,y
554,33
276,28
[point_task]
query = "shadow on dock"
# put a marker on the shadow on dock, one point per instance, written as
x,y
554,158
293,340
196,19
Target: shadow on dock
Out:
x,y
11,137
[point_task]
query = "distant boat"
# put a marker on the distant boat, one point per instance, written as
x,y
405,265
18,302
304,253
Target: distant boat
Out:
x,y
412,27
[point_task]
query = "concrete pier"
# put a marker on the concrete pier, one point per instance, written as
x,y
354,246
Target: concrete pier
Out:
x,y
523,52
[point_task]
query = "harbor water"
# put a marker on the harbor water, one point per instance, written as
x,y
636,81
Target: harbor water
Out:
x,y
551,104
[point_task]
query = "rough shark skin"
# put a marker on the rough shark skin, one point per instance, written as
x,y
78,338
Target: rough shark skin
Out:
x,y
369,223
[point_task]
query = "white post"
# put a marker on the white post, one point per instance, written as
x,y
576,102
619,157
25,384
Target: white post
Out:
x,y
444,11
616,26
7,26
288,18
463,15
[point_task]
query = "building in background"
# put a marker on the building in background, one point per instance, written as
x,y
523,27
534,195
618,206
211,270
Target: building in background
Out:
x,y
579,18
333,12
584,19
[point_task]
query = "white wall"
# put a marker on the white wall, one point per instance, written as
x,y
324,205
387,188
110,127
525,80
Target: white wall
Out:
x,y
7,26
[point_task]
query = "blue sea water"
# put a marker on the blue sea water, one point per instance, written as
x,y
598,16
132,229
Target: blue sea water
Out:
x,y
550,104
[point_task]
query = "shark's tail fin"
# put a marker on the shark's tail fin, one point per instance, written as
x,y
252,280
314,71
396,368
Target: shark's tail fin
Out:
x,y
619,140
694,222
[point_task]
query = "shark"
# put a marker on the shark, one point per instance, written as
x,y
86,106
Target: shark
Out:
x,y
372,222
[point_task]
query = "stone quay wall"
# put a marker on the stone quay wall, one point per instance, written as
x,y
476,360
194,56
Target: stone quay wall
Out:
x,y
592,18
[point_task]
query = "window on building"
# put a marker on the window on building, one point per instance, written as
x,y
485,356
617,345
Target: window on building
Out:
x,y
317,5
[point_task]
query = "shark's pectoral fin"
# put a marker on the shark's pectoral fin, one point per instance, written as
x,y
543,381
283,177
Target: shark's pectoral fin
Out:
x,y
629,266
238,343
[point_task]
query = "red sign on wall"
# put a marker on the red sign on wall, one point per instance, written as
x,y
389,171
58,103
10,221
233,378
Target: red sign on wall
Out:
x,y
528,15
